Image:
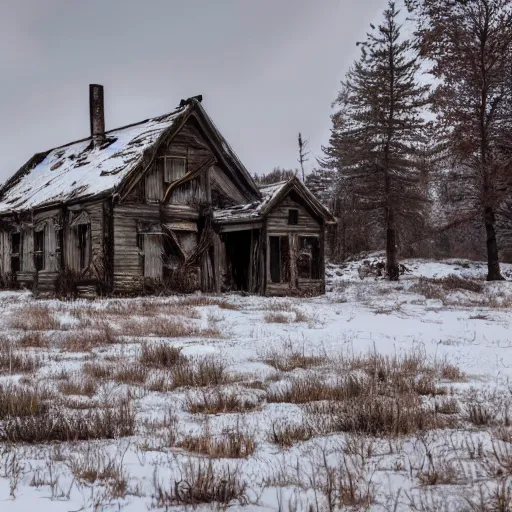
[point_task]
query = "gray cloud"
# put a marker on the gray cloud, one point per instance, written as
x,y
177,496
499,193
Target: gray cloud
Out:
x,y
266,68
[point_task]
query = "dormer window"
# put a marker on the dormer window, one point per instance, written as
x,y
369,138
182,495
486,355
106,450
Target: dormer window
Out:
x,y
293,216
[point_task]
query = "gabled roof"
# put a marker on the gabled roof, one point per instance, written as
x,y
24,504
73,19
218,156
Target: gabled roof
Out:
x,y
78,170
271,195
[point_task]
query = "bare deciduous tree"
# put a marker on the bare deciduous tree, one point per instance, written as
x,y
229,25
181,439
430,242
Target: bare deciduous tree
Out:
x,y
469,44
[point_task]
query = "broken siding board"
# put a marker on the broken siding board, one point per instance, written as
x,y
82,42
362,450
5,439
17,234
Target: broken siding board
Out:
x,y
154,183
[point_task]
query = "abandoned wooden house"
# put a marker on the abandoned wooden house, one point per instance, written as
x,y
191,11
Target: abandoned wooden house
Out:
x,y
160,203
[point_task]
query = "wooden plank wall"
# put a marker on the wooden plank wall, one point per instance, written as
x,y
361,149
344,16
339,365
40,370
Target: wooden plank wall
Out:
x,y
277,225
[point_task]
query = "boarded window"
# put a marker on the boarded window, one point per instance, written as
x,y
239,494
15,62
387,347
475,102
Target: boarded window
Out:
x,y
174,169
308,262
293,216
152,244
279,259
39,259
15,252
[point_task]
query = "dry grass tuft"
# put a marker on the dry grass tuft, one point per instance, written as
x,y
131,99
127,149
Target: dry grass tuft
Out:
x,y
130,373
77,385
35,318
218,402
87,340
200,372
312,389
20,401
48,426
98,371
202,484
167,328
288,358
160,355
233,445
277,318
13,361
287,434
33,340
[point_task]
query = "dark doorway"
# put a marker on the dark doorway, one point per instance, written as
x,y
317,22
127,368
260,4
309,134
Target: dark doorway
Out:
x,y
238,252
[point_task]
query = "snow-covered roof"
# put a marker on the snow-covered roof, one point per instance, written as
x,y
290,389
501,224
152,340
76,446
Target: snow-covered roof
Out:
x,y
270,195
78,170
250,211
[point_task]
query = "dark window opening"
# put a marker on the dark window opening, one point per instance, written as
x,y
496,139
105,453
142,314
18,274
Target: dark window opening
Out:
x,y
293,216
83,246
308,262
39,249
59,242
238,252
15,252
279,259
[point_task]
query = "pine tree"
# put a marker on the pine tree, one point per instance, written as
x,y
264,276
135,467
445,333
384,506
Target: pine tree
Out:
x,y
470,45
379,133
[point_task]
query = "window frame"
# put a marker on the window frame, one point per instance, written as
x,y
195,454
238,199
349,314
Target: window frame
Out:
x,y
293,216
83,233
39,249
168,160
314,259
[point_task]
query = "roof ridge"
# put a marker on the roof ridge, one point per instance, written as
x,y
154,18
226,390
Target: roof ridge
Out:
x,y
175,111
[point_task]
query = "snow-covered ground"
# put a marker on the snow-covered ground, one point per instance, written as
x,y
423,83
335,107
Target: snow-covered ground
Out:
x,y
446,350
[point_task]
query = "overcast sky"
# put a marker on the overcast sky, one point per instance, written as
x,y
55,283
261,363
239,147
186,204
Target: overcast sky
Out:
x,y
267,69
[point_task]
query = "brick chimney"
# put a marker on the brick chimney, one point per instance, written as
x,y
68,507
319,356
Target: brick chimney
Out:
x,y
97,114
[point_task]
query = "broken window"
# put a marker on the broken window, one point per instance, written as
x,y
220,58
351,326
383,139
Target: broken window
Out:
x,y
293,216
308,261
279,259
15,252
39,260
140,247
82,233
174,168
172,255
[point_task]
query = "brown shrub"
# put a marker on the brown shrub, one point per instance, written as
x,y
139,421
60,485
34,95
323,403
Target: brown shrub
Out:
x,y
160,355
436,288
217,402
228,305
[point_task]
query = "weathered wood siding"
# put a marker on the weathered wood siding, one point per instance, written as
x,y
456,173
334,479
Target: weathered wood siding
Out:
x,y
307,225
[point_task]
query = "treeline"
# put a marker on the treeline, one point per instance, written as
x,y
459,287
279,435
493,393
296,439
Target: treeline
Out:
x,y
419,159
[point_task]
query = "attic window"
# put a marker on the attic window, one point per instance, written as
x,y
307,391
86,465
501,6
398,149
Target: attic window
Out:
x,y
174,168
293,216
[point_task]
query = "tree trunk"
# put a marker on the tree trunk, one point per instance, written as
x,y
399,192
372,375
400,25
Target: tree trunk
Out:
x,y
392,269
493,263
